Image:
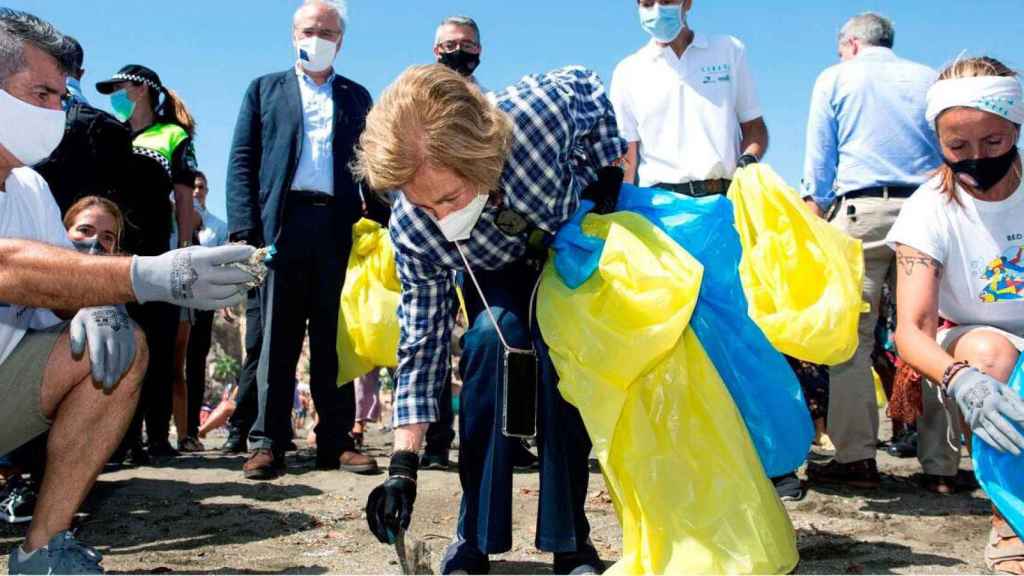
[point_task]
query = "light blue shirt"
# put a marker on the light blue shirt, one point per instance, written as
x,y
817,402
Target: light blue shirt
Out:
x,y
867,127
315,171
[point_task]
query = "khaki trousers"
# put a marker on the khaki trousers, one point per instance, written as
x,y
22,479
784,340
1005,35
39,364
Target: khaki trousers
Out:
x,y
852,407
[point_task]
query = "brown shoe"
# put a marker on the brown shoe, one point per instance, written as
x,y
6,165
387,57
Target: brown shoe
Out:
x,y
857,474
263,464
357,462
938,484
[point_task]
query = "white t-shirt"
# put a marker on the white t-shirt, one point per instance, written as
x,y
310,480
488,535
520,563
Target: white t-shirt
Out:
x,y
27,212
685,112
981,248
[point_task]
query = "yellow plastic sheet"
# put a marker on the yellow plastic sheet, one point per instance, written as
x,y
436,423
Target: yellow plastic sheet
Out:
x,y
801,275
687,485
368,319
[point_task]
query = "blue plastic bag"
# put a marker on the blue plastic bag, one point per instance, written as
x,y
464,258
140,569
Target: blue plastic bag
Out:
x,y
1001,474
761,382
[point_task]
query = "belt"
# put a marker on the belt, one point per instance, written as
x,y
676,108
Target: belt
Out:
x,y
881,192
312,198
698,188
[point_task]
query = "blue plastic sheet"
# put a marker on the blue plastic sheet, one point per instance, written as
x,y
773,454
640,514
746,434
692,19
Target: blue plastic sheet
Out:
x,y
761,382
1001,474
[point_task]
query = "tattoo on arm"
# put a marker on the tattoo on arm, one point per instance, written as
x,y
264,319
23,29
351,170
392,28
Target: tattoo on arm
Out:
x,y
908,261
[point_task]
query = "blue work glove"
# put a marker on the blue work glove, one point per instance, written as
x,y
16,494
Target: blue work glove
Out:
x,y
107,332
194,277
389,507
985,404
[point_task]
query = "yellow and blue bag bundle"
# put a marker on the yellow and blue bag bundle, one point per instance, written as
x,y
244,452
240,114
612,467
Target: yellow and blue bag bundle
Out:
x,y
618,308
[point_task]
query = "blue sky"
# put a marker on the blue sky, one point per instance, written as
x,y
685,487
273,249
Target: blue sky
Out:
x,y
209,50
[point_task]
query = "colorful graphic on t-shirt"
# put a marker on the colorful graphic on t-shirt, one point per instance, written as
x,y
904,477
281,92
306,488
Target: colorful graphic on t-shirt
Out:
x,y
1005,276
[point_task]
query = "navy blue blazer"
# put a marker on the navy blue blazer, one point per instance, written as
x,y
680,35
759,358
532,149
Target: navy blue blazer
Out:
x,y
265,154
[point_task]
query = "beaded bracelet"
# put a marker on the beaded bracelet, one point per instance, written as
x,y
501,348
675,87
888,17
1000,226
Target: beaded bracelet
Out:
x,y
951,371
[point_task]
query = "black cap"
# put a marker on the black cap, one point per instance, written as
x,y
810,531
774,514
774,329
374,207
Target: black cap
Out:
x,y
131,73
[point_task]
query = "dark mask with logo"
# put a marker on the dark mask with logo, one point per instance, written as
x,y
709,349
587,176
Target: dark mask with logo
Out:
x,y
987,172
461,61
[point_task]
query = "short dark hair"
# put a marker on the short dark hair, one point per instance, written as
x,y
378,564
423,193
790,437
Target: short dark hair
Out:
x,y
200,174
17,28
76,54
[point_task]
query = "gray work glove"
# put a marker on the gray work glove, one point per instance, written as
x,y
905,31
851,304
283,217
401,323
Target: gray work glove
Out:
x,y
985,404
193,277
108,333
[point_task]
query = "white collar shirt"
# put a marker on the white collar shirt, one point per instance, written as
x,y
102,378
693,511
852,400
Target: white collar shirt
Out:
x,y
685,113
315,169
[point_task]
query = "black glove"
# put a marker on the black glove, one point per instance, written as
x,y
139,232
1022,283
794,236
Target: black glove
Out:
x,y
604,192
746,160
389,507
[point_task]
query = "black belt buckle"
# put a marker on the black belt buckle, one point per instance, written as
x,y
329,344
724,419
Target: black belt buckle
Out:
x,y
708,188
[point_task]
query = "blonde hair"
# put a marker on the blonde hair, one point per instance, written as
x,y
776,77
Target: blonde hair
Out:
x,y
966,68
432,115
88,202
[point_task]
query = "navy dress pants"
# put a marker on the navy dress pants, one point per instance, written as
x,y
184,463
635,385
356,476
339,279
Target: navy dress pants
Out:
x,y
485,454
304,287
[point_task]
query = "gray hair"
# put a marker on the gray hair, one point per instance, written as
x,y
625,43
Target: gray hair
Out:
x,y
338,6
17,28
458,21
870,28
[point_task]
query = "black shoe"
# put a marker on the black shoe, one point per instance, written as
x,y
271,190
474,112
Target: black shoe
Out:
x,y
161,450
434,461
523,460
17,501
585,561
234,445
461,558
137,456
789,488
903,446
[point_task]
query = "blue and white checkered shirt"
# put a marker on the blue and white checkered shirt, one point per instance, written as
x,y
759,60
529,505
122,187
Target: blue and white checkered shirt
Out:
x,y
564,131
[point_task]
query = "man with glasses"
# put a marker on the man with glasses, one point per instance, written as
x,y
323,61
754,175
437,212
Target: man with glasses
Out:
x,y
457,45
289,188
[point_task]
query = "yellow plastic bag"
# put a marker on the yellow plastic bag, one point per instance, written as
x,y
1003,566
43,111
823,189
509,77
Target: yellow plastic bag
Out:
x,y
687,484
801,275
368,319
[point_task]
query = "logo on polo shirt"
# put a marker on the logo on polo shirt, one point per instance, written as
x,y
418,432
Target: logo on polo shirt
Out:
x,y
716,73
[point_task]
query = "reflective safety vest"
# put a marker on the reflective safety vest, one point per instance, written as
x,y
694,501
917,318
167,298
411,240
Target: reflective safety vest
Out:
x,y
159,142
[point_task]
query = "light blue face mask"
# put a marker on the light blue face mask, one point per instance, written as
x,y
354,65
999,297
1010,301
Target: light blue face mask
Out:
x,y
122,105
663,23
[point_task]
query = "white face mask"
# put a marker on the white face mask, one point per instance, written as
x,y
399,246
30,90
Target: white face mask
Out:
x,y
316,54
30,133
458,225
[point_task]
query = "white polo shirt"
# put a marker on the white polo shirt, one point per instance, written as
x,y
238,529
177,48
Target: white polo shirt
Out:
x,y
685,112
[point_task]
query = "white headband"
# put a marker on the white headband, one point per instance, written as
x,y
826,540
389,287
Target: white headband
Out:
x,y
1000,95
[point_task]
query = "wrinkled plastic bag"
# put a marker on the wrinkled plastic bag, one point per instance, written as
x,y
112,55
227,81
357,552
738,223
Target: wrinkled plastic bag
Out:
x,y
762,383
368,316
687,484
1001,474
802,276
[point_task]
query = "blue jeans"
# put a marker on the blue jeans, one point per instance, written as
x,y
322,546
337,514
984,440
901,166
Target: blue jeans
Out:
x,y
485,455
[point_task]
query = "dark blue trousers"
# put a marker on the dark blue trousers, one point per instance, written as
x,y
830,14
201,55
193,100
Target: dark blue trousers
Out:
x,y
245,412
304,287
485,455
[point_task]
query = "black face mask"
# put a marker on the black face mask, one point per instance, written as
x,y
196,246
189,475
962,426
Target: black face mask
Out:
x,y
987,172
461,61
